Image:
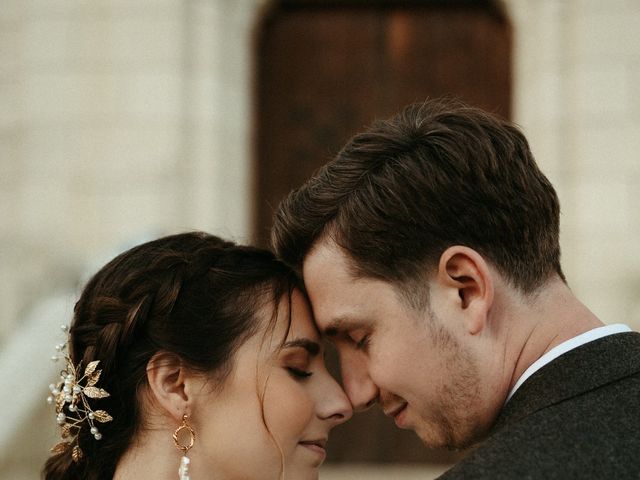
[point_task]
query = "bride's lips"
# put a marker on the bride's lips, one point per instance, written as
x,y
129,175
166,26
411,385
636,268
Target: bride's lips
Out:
x,y
318,446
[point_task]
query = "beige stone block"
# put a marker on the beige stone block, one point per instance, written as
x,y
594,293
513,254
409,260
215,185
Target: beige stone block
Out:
x,y
203,94
606,34
539,42
606,257
597,6
552,85
9,300
10,111
88,155
102,42
114,215
634,73
11,167
40,432
609,149
599,230
633,180
56,154
12,11
84,188
606,276
10,214
218,196
603,205
206,45
602,92
612,301
34,268
154,95
9,52
547,145
148,40
549,25
45,209
609,307
42,8
634,317
102,97
47,43
541,115
144,152
204,156
67,97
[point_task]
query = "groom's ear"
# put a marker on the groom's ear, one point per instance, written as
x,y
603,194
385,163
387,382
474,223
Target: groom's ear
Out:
x,y
168,381
468,278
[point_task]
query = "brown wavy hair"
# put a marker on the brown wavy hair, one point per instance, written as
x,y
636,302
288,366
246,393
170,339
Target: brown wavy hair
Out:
x,y
194,295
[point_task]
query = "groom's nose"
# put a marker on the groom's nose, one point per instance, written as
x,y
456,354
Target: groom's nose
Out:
x,y
361,390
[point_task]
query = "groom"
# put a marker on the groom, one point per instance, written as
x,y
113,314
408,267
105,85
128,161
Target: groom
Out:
x,y
429,248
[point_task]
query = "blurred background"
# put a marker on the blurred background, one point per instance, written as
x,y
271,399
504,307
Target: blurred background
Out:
x,y
123,120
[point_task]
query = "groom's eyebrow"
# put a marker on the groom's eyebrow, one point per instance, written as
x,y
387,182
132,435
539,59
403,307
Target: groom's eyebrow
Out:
x,y
340,325
309,345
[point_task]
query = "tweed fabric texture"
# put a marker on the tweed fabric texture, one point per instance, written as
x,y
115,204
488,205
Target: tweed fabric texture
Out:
x,y
578,417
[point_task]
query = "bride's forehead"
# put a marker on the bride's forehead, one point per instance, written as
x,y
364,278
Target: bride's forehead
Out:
x,y
302,321
290,315
291,320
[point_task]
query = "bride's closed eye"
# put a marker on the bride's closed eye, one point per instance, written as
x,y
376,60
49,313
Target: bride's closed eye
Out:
x,y
297,357
297,361
299,373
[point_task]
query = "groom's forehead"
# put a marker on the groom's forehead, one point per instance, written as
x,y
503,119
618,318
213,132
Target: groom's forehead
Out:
x,y
341,301
326,260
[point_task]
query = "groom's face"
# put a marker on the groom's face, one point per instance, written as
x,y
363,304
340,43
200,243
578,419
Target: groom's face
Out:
x,y
406,360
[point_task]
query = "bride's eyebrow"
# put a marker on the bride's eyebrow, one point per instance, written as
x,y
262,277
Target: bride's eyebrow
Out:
x,y
309,345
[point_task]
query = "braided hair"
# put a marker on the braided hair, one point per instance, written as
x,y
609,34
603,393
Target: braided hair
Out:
x,y
194,295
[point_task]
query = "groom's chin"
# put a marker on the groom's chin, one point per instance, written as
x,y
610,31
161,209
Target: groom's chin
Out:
x,y
449,439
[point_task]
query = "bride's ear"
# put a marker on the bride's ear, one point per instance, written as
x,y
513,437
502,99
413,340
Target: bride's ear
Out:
x,y
167,377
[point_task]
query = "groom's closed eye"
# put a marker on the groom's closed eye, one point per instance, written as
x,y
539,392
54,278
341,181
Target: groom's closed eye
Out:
x,y
363,342
344,326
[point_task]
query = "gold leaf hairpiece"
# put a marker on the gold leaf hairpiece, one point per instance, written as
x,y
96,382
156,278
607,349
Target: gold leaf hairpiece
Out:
x,y
71,397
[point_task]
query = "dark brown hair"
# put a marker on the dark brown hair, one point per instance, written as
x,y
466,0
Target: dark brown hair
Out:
x,y
438,174
193,295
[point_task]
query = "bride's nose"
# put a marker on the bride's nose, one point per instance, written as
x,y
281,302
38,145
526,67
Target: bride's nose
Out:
x,y
334,405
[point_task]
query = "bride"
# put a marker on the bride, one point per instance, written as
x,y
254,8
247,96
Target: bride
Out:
x,y
190,357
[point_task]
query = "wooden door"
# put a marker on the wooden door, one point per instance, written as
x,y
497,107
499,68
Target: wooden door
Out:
x,y
324,71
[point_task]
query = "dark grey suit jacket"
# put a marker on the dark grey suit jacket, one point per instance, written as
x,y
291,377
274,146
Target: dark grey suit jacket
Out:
x,y
578,417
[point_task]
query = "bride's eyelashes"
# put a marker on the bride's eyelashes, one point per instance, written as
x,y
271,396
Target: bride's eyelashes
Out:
x,y
298,373
297,356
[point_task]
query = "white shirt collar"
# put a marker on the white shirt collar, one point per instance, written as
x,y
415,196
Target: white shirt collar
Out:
x,y
564,347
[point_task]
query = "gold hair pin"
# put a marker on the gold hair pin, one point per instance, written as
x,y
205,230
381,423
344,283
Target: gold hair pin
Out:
x,y
71,397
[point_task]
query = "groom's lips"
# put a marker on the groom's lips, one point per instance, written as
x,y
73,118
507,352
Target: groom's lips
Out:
x,y
397,414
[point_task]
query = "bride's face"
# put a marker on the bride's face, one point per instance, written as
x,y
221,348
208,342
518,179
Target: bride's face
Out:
x,y
243,436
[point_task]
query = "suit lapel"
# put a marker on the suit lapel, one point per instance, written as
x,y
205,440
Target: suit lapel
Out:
x,y
578,371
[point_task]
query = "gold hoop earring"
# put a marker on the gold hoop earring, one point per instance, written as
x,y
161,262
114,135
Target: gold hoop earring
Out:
x,y
182,431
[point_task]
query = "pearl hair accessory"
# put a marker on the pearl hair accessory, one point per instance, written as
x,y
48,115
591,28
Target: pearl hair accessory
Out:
x,y
70,396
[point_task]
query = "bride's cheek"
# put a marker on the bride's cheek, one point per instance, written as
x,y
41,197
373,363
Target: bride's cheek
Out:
x,y
288,408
